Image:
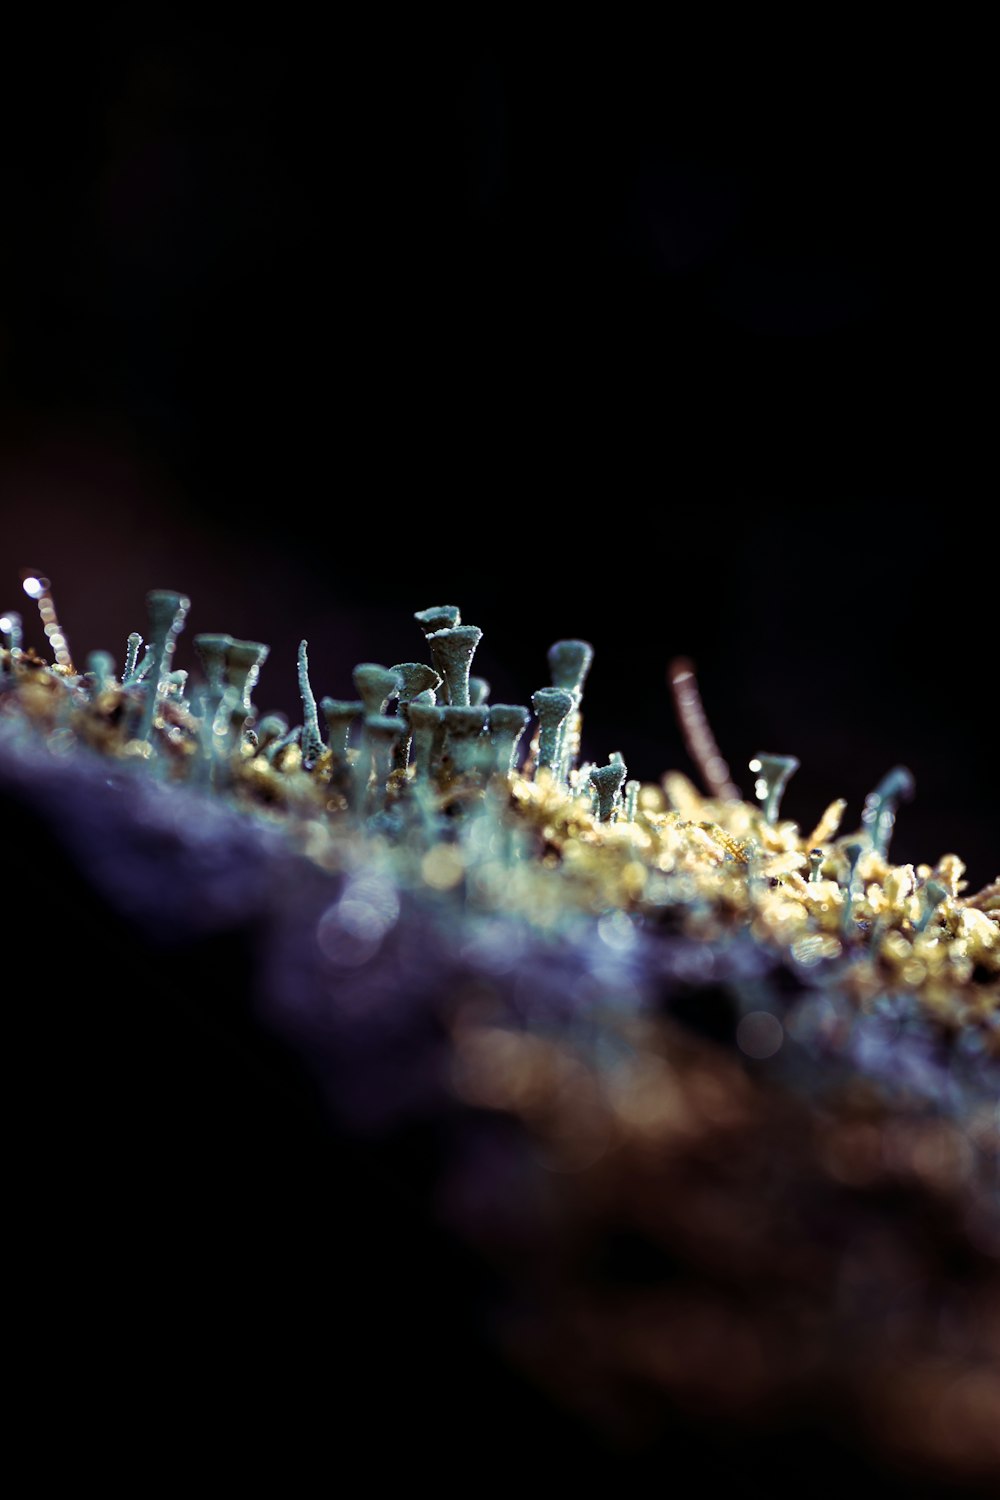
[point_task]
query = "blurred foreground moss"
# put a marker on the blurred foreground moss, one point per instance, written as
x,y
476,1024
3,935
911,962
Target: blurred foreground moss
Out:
x,y
734,1085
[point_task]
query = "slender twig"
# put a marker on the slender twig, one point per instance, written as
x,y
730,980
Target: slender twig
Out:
x,y
698,737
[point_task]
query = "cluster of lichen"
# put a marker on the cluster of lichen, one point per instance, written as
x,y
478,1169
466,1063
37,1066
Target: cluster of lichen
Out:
x,y
419,763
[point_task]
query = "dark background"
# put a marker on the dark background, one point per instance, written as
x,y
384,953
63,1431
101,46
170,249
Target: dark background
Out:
x,y
673,342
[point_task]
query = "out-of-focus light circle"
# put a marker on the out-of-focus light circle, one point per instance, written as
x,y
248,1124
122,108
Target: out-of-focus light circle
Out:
x,y
351,931
6,624
759,1034
494,947
34,587
615,929
349,935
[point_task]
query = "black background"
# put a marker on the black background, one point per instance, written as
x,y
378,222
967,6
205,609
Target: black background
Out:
x,y
672,341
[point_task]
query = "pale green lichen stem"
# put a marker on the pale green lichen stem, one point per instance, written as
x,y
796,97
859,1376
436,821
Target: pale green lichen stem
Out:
x,y
167,613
